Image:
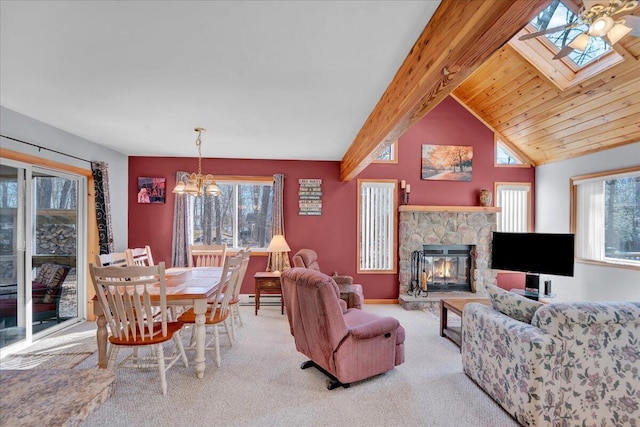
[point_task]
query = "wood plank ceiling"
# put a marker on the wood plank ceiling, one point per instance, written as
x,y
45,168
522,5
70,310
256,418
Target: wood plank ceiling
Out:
x,y
461,35
523,105
547,124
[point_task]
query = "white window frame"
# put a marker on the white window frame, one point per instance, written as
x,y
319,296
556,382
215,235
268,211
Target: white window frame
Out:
x,y
377,223
587,224
514,199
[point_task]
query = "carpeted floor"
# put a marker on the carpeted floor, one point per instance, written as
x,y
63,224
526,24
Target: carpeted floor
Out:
x,y
260,383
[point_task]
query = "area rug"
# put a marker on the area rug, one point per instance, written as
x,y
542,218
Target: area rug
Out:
x,y
59,352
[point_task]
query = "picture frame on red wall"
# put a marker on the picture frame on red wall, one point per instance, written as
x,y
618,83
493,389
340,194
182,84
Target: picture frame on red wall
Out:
x,y
447,162
151,190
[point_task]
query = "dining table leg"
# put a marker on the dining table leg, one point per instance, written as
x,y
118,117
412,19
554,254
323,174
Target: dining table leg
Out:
x,y
200,309
101,335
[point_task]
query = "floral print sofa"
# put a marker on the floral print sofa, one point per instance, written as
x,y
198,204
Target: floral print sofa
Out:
x,y
573,364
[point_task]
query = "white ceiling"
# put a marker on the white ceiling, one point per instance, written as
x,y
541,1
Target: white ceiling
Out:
x,y
268,79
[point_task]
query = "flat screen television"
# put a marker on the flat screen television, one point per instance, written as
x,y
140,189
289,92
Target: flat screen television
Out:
x,y
546,253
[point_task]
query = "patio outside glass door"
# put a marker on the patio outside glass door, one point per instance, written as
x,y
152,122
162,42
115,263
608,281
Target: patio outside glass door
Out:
x,y
41,244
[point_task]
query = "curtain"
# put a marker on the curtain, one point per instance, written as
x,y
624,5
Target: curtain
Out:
x,y
277,219
100,171
590,220
181,227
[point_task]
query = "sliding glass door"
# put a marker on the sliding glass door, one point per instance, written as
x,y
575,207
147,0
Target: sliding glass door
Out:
x,y
42,230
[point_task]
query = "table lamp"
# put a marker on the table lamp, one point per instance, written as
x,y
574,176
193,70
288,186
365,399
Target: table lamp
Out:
x,y
278,249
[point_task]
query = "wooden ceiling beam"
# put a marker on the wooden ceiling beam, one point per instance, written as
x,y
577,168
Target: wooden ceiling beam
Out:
x,y
460,36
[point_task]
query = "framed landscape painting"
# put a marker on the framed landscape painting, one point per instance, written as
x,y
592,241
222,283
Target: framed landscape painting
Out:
x,y
447,162
151,190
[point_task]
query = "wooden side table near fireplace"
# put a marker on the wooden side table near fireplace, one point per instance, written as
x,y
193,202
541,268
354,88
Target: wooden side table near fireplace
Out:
x,y
455,305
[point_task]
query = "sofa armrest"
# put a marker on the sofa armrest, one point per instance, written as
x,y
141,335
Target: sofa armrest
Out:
x,y
342,280
514,362
374,328
602,360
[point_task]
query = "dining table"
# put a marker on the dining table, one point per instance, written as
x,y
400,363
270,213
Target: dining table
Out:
x,y
185,286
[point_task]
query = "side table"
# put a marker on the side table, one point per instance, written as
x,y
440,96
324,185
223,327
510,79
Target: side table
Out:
x,y
269,283
347,294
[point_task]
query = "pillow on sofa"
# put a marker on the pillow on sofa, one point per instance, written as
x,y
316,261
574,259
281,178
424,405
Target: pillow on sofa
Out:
x,y
513,305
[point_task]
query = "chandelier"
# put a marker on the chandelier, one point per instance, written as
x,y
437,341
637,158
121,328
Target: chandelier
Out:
x,y
198,184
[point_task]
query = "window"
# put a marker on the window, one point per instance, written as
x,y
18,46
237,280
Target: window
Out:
x,y
505,156
388,155
515,200
377,226
605,213
240,217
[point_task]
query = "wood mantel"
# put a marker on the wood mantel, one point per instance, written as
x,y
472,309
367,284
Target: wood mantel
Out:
x,y
419,208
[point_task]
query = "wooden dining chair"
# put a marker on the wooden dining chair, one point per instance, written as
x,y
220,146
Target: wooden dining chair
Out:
x,y
218,311
207,255
114,259
139,256
124,294
234,303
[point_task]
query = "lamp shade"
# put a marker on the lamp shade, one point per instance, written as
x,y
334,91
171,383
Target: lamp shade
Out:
x,y
278,244
179,189
580,42
617,32
601,26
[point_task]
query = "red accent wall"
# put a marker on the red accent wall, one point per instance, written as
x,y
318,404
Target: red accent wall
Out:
x,y
333,234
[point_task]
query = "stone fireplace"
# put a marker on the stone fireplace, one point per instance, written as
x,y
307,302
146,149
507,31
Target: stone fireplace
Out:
x,y
424,226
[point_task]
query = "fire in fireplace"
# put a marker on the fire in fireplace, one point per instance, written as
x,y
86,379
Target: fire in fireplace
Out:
x,y
441,268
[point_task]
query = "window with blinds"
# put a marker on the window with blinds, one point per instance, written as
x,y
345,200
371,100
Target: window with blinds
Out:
x,y
515,201
605,215
377,226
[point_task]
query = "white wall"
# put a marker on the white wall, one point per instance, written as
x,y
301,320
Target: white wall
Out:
x,y
19,126
590,282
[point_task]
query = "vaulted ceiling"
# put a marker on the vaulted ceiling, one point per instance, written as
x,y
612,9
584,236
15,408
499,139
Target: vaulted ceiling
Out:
x,y
547,124
516,96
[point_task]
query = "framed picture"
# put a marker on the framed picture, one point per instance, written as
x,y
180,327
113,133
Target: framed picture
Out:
x,y
151,190
447,162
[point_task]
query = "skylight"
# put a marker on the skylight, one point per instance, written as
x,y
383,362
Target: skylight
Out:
x,y
556,15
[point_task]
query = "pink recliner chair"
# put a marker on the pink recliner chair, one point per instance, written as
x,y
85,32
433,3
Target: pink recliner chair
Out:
x,y
308,258
347,345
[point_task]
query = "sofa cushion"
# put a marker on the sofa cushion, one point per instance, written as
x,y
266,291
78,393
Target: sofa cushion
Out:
x,y
513,305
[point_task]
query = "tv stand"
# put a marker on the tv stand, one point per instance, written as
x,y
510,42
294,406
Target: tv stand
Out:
x,y
532,286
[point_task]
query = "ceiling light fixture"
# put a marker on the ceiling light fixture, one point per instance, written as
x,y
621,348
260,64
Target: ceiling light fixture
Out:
x,y
198,184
